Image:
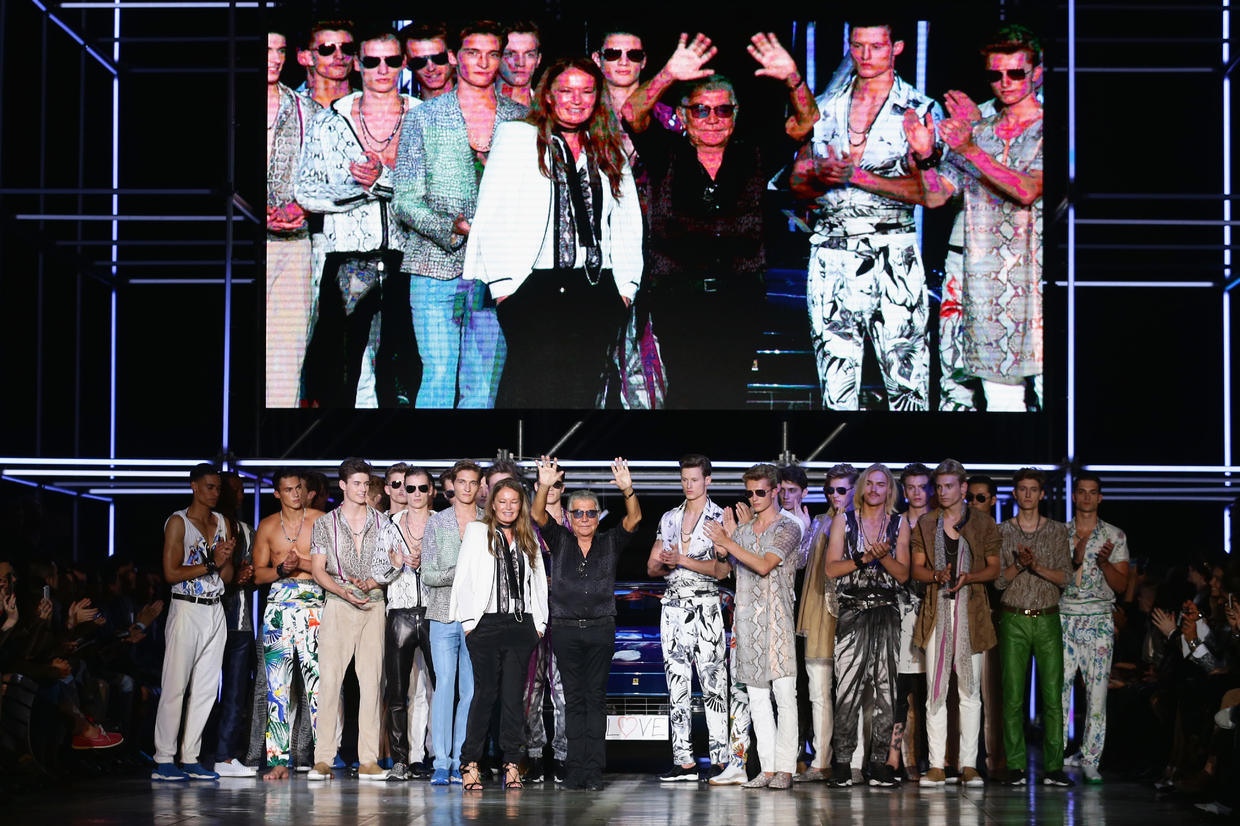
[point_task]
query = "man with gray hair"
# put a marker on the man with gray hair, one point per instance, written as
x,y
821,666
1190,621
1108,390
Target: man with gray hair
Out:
x,y
706,254
582,609
867,553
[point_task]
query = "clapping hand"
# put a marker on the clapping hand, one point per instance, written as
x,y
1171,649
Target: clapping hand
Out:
x,y
81,612
775,60
744,513
1188,621
1024,557
1104,553
152,610
223,551
834,170
943,576
957,133
961,107
879,550
1163,621
689,59
245,575
920,135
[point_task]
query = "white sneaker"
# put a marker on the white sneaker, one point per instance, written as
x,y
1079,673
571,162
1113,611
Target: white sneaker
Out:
x,y
320,771
1091,774
733,775
234,768
1073,759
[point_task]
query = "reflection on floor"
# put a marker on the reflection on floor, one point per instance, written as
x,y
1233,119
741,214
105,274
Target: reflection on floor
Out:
x,y
632,800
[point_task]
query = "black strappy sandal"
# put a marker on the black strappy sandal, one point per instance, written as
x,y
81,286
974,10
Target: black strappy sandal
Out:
x,y
471,781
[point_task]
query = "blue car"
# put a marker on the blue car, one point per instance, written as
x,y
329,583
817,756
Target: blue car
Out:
x,y
636,683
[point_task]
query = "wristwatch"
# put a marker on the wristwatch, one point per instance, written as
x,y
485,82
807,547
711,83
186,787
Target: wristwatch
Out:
x,y
929,162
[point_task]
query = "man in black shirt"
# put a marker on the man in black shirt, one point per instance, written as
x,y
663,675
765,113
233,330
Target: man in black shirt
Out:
x,y
705,254
582,609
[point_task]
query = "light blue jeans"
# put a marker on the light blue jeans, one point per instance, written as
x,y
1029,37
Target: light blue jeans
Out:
x,y
454,672
459,340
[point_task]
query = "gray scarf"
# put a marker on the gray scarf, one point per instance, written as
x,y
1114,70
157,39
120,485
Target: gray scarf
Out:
x,y
577,217
952,619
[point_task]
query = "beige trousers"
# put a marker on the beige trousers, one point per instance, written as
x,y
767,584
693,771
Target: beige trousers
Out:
x,y
288,318
350,633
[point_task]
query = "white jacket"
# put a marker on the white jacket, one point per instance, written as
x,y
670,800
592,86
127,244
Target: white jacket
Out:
x,y
473,589
514,215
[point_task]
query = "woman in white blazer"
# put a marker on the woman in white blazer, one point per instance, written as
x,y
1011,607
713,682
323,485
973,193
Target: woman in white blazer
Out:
x,y
499,596
558,238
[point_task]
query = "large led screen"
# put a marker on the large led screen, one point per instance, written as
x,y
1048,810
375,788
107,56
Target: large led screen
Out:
x,y
838,214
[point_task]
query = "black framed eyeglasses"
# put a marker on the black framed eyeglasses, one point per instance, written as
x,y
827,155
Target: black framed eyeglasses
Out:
x,y
635,55
996,75
761,494
828,490
701,111
393,61
417,64
580,514
329,49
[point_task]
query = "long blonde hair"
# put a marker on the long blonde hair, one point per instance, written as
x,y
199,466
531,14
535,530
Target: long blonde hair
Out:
x,y
890,506
522,528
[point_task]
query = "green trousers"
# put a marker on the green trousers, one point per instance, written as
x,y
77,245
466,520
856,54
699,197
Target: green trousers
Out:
x,y
1043,637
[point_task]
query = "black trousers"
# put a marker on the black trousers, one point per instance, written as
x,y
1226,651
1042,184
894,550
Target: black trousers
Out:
x,y
500,649
584,656
398,365
558,327
407,632
707,329
334,352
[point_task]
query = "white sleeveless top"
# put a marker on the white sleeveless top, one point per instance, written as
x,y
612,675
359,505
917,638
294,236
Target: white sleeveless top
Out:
x,y
196,550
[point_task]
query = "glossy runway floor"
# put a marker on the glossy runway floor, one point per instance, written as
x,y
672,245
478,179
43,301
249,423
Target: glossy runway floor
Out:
x,y
627,799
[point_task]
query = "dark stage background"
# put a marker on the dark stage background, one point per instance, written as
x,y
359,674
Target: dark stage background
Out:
x,y
1149,360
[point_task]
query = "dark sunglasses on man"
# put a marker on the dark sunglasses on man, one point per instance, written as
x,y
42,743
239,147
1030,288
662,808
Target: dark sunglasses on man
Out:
x,y
996,75
761,494
417,64
976,497
329,49
701,111
580,514
393,61
635,55
828,490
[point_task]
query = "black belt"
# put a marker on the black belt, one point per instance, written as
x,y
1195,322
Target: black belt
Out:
x,y
197,600
565,622
419,610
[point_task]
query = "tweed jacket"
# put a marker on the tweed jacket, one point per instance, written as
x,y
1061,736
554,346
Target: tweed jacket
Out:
x,y
441,545
982,534
436,181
